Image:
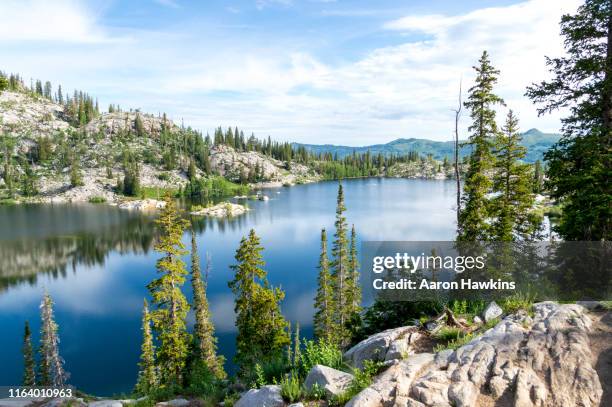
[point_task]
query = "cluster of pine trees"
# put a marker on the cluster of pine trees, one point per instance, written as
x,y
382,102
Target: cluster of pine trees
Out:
x,y
338,298
81,108
330,166
580,165
498,191
50,371
180,356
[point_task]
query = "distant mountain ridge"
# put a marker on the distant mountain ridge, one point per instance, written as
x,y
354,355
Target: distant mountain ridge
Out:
x,y
534,140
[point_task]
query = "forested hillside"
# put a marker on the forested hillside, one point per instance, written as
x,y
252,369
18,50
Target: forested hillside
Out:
x,y
58,147
536,142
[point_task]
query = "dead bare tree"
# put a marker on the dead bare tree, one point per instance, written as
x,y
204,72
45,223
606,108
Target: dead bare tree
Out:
x,y
457,175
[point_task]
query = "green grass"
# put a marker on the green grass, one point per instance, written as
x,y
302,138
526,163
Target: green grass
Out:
x,y
97,199
455,343
448,333
291,388
8,201
516,303
156,192
362,379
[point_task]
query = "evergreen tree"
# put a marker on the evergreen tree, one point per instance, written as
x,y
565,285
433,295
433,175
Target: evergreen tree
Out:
x,y
262,329
538,177
579,165
512,184
139,127
28,180
297,352
29,368
475,211
147,375
191,172
131,180
340,269
203,330
324,317
4,83
60,96
353,286
76,176
51,366
171,305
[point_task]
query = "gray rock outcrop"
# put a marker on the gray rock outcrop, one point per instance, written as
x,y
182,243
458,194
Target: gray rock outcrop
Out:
x,y
266,396
492,311
388,345
331,380
539,361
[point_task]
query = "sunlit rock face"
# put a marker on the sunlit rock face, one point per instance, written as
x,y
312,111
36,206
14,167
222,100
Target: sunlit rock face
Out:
x,y
539,361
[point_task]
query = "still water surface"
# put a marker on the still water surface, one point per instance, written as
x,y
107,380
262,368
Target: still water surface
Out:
x,y
95,261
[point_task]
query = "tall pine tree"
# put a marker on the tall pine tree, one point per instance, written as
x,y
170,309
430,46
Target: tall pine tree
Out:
x,y
513,186
147,375
29,368
340,273
579,165
324,317
171,305
203,331
51,366
353,286
475,208
262,329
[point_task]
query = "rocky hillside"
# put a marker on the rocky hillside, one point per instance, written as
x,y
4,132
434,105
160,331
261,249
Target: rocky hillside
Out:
x,y
43,147
543,359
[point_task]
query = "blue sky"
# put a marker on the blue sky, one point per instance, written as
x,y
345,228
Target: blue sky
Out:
x,y
349,72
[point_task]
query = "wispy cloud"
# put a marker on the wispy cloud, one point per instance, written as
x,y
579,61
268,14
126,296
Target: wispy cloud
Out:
x,y
278,86
261,4
168,3
39,20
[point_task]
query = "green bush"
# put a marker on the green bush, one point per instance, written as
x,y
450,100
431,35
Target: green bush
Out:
x,y
448,333
455,343
316,392
202,382
97,199
268,371
518,301
291,388
319,353
362,379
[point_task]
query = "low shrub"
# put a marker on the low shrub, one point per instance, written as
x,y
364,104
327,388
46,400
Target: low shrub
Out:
x,y
519,301
319,353
97,199
362,379
291,388
448,333
455,343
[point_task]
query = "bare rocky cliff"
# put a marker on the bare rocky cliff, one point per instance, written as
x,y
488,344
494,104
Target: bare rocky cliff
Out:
x,y
544,360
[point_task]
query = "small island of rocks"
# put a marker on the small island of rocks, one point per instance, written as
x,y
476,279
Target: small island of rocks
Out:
x,y
221,210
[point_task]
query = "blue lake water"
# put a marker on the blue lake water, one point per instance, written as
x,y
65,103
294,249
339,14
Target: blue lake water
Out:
x,y
95,261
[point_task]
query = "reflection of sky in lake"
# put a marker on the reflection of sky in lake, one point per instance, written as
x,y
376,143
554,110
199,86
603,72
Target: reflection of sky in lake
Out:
x,y
98,305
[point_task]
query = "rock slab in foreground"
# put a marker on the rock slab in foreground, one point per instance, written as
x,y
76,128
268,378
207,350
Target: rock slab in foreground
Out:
x,y
266,396
331,380
384,346
544,361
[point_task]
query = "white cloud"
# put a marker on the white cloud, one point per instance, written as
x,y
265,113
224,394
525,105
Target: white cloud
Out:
x,y
274,87
39,20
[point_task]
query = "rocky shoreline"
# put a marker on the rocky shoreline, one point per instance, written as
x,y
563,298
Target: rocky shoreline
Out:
x,y
540,358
